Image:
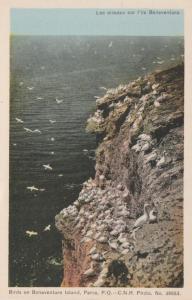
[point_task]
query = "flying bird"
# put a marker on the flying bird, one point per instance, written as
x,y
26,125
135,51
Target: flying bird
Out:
x,y
59,100
32,188
37,130
52,121
110,44
27,129
103,88
19,120
47,228
31,233
47,167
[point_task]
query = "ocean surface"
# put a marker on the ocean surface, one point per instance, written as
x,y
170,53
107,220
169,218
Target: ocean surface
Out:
x,y
53,84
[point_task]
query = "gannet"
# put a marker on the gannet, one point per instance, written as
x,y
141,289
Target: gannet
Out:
x,y
39,98
52,121
143,219
19,120
30,88
60,175
32,188
37,130
110,44
90,271
31,233
59,101
47,167
85,151
27,129
52,139
47,228
103,88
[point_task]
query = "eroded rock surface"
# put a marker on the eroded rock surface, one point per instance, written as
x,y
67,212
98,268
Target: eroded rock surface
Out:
x,y
139,160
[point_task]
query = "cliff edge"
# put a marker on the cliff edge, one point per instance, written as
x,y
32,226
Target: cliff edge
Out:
x,y
139,162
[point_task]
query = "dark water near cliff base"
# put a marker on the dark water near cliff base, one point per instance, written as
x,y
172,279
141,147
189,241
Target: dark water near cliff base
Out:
x,y
70,69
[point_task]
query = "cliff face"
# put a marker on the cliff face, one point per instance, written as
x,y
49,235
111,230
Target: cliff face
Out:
x,y
139,160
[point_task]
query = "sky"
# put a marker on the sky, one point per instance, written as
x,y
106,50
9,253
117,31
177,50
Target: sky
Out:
x,y
95,22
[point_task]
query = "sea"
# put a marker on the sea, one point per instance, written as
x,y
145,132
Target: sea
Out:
x,y
54,82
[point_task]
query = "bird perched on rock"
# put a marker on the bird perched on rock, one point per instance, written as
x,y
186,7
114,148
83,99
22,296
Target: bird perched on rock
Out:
x,y
90,271
141,220
144,218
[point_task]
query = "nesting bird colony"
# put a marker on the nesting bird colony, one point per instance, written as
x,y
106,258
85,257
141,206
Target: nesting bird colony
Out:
x,y
140,151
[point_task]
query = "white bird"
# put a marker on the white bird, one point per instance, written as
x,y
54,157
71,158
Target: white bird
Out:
x,y
60,175
47,167
103,88
85,150
110,44
52,139
32,188
156,103
143,219
27,129
39,98
52,121
30,88
93,250
21,83
89,272
19,120
41,190
37,130
52,152
59,100
113,245
31,233
47,228
161,162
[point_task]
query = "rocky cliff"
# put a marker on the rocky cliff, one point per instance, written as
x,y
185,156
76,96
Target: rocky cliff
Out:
x,y
139,162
